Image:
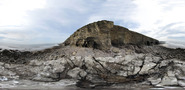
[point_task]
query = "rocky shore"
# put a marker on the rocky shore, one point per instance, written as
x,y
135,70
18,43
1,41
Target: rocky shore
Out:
x,y
96,56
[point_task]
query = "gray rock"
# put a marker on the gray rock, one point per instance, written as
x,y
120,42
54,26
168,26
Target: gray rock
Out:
x,y
146,68
169,79
115,50
181,83
164,63
136,70
122,73
42,78
76,73
129,57
154,80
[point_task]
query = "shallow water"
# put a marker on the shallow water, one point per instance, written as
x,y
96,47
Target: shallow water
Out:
x,y
66,84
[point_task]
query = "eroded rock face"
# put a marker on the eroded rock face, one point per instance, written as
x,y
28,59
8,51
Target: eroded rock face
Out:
x,y
94,35
104,34
124,66
121,36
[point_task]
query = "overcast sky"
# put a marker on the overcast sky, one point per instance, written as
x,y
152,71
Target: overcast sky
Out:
x,y
52,21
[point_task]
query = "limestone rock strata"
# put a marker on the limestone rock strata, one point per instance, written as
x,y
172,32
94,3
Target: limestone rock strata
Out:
x,y
104,34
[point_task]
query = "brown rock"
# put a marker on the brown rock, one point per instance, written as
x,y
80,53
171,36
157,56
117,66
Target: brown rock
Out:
x,y
104,34
121,36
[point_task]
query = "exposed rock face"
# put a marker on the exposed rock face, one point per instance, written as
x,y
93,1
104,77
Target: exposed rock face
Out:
x,y
103,34
121,36
94,35
136,61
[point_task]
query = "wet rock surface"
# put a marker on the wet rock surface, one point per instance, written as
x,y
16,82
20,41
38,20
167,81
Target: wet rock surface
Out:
x,y
102,62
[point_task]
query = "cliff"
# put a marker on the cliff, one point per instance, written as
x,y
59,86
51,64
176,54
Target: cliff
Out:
x,y
104,34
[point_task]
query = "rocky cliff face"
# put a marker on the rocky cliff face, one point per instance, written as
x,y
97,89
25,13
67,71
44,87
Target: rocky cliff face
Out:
x,y
94,35
121,36
131,58
104,34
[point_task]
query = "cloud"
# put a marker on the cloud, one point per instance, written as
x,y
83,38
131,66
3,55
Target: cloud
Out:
x,y
38,21
52,21
119,11
174,44
160,19
13,12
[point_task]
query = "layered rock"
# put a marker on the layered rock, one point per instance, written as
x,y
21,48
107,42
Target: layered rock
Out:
x,y
121,36
104,34
94,35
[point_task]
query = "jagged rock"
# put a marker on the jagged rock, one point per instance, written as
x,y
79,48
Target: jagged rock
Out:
x,y
76,73
146,68
154,80
181,83
115,50
4,70
169,81
136,70
102,70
